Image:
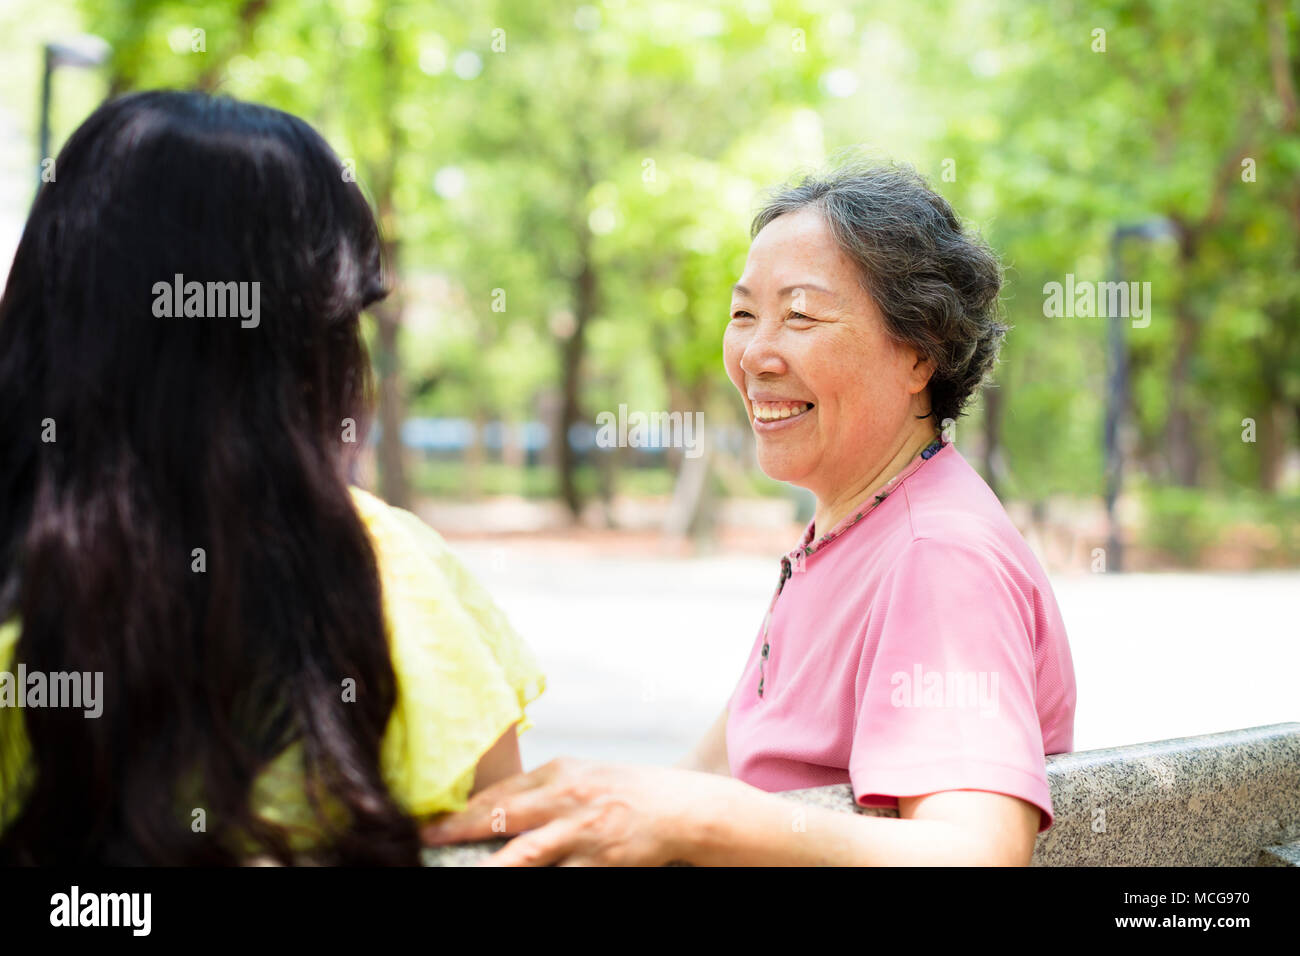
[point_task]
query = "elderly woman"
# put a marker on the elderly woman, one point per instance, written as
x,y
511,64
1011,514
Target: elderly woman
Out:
x,y
913,647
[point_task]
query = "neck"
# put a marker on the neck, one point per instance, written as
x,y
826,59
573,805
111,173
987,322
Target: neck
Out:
x,y
832,509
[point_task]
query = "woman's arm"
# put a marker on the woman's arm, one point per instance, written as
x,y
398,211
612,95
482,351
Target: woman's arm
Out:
x,y
951,828
580,813
710,754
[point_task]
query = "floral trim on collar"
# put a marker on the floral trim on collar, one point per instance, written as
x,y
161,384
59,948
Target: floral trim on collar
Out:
x,y
889,487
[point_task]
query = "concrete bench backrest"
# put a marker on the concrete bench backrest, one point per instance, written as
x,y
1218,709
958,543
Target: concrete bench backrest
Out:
x,y
1229,799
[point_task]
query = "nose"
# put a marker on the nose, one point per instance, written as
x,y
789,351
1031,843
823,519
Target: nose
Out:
x,y
762,354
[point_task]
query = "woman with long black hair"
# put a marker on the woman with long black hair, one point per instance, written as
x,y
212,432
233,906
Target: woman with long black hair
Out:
x,y
290,668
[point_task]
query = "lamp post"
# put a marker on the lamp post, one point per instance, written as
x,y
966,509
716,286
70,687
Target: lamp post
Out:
x,y
82,52
1117,382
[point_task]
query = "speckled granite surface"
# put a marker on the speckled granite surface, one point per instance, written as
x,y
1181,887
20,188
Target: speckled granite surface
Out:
x,y
1229,799
1288,855
1217,800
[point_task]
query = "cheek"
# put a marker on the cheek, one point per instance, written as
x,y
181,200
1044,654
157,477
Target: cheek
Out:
x,y
832,368
732,352
858,381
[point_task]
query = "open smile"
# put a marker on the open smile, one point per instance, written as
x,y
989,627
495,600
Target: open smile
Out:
x,y
773,416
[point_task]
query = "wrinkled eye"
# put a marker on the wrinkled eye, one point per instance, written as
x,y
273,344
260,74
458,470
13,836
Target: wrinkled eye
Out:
x,y
741,314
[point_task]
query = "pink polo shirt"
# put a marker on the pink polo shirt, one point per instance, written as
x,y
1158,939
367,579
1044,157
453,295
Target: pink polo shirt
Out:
x,y
919,650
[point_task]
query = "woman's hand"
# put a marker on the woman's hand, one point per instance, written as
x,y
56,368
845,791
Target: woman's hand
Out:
x,y
581,813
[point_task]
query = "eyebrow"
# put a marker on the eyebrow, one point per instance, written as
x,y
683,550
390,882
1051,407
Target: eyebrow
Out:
x,y
786,290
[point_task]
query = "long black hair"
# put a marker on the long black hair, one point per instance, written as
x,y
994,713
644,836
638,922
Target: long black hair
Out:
x,y
174,510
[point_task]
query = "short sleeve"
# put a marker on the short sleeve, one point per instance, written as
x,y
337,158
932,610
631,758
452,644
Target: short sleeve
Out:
x,y
15,751
508,649
464,675
946,688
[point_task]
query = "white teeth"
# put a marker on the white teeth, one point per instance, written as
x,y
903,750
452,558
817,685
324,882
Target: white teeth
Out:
x,y
774,413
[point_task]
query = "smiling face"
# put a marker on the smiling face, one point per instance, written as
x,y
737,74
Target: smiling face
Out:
x,y
830,394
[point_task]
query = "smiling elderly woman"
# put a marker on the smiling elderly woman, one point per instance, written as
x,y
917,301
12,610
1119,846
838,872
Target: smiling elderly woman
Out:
x,y
913,647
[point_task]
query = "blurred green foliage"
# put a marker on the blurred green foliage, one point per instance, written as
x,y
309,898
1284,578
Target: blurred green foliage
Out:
x,y
1185,526
567,187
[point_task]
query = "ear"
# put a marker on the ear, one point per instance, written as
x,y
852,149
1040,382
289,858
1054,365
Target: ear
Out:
x,y
918,377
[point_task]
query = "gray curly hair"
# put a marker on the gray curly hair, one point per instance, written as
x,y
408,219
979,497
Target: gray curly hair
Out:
x,y
936,286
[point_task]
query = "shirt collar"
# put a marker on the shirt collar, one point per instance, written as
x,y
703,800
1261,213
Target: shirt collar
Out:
x,y
808,547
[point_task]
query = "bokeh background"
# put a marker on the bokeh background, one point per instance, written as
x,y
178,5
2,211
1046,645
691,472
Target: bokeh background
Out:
x,y
565,191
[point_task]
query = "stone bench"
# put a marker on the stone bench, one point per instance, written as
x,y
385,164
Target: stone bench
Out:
x,y
1229,799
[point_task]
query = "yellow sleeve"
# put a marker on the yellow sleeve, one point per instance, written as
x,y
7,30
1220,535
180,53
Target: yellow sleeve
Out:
x,y
15,750
464,675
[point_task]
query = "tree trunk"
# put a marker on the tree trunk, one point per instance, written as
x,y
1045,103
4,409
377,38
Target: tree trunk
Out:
x,y
992,436
393,486
572,351
1180,437
393,483
692,511
1272,446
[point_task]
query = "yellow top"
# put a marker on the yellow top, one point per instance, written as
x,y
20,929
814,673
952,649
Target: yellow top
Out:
x,y
463,676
